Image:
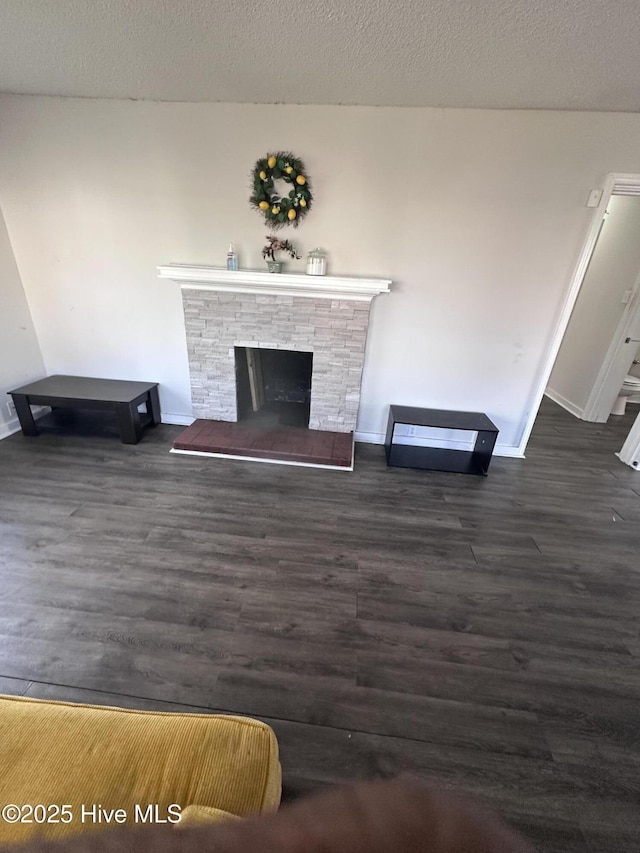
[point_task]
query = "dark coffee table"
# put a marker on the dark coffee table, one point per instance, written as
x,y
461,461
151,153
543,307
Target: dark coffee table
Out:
x,y
83,392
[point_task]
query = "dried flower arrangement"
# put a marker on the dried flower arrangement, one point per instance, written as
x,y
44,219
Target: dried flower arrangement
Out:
x,y
274,245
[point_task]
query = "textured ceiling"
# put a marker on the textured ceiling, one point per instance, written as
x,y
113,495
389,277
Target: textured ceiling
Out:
x,y
558,54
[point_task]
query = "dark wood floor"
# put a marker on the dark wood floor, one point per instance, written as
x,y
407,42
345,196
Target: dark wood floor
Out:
x,y
481,633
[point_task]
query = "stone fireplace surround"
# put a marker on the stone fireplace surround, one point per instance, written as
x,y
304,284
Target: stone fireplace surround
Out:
x,y
325,315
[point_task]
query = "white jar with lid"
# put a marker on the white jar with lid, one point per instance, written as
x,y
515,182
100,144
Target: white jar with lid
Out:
x,y
316,263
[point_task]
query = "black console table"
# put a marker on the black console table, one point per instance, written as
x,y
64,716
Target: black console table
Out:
x,y
84,392
474,461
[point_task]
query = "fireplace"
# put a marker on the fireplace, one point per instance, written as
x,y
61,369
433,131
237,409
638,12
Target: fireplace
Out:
x,y
233,318
334,331
273,387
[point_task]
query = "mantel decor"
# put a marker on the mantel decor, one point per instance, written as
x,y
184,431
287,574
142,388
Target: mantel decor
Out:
x,y
287,209
274,245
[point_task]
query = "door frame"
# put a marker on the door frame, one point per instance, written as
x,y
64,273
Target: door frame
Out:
x,y
600,401
630,451
614,180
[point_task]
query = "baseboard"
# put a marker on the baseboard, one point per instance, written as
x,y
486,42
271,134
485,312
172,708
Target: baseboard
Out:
x,y
176,420
170,418
10,427
414,441
566,404
13,426
507,450
369,437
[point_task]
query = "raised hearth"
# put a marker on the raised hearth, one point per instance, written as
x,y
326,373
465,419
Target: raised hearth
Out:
x,y
288,445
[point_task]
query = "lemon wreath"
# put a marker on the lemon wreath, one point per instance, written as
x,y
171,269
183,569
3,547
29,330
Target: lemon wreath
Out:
x,y
289,209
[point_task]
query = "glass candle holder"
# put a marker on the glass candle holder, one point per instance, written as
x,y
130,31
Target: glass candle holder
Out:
x,y
316,263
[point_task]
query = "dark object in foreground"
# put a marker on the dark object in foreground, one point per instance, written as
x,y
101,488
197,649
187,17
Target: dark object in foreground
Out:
x,y
371,817
84,392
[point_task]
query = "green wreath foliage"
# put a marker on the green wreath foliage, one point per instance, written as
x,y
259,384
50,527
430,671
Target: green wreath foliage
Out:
x,y
281,210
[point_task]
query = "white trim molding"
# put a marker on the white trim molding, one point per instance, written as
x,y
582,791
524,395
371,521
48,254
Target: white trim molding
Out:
x,y
13,426
275,284
630,451
9,428
616,363
508,450
175,419
562,401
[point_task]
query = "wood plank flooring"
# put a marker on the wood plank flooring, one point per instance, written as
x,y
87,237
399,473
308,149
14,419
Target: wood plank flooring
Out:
x,y
479,633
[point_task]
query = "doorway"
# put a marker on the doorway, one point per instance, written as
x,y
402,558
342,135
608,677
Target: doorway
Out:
x,y
594,344
598,348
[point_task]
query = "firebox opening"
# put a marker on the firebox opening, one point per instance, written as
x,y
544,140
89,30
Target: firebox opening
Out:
x,y
273,387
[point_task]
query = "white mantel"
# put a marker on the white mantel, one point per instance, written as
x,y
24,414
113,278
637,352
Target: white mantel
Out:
x,y
275,284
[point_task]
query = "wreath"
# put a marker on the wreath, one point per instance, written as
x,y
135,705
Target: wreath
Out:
x,y
281,210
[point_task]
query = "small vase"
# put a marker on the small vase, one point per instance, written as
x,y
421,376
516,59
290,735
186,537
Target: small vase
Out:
x,y
274,266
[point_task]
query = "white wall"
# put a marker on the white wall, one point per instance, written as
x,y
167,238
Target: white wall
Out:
x,y
614,269
477,216
20,357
